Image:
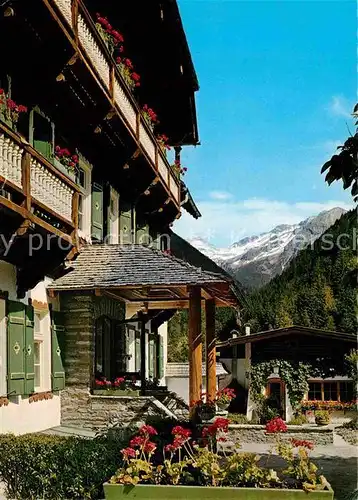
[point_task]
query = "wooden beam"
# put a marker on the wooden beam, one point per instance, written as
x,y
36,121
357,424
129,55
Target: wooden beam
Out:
x,y
25,179
210,350
195,345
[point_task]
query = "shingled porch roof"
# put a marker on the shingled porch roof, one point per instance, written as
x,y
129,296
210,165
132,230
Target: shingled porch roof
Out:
x,y
139,273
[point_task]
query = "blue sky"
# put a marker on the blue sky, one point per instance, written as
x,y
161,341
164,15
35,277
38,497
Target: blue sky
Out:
x,y
277,85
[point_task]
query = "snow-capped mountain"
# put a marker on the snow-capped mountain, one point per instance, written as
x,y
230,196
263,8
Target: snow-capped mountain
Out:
x,y
255,260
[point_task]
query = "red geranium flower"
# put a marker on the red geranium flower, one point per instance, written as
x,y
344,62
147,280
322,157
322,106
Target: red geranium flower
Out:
x,y
148,430
276,425
128,452
135,77
149,447
137,441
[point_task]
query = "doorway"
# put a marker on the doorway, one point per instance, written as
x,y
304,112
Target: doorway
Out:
x,y
276,395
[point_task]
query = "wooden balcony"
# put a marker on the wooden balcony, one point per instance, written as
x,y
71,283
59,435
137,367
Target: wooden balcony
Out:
x,y
79,28
34,189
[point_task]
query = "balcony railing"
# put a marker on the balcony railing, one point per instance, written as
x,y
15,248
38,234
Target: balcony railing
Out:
x,y
32,183
93,50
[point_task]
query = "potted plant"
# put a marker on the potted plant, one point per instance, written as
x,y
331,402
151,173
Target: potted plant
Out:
x,y
125,67
186,469
66,162
163,143
150,116
224,398
119,387
9,110
322,417
111,37
178,169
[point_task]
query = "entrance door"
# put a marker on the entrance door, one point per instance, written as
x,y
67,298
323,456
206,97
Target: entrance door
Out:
x,y
276,393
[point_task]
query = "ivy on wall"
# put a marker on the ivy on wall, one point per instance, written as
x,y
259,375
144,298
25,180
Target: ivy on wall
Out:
x,y
294,374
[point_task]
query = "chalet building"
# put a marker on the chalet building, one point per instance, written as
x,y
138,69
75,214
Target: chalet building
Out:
x,y
242,354
88,193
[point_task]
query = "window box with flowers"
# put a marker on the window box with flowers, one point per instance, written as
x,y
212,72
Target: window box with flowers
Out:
x,y
125,67
119,387
163,143
150,116
185,469
9,110
178,169
66,162
224,398
111,37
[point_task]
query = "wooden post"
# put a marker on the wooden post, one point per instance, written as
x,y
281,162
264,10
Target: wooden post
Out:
x,y
142,320
210,350
195,344
26,179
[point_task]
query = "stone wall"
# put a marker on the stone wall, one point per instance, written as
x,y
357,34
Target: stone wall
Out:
x,y
246,433
81,409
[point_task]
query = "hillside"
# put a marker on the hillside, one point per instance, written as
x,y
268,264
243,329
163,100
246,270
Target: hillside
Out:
x,y
255,260
317,289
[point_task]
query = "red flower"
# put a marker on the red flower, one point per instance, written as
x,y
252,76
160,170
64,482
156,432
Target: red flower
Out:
x,y
149,447
147,430
128,63
135,77
297,443
222,424
75,158
170,448
2,91
128,452
137,441
11,104
117,36
121,49
118,60
137,84
179,431
276,425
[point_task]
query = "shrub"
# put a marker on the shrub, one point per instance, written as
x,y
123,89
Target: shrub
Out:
x,y
298,420
41,466
238,418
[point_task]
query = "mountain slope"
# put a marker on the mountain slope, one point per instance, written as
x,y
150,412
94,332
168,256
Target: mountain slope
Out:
x,y
255,260
317,289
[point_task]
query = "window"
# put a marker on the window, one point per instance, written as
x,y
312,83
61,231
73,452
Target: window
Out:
x,y
38,350
346,391
315,392
330,391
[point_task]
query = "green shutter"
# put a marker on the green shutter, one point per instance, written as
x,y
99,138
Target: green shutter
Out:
x,y
151,360
137,351
57,340
97,212
15,348
29,351
125,223
42,134
161,358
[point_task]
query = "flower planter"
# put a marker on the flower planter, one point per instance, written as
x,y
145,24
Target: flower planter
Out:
x,y
148,492
7,121
116,392
68,173
222,406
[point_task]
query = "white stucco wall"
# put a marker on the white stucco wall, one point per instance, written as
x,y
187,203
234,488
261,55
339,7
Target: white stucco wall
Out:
x,y
20,416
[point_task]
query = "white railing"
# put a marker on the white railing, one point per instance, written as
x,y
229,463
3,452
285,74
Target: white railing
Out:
x,y
50,190
96,55
94,52
65,8
10,160
147,143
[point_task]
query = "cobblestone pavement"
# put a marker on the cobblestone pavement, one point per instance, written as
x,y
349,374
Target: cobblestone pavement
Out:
x,y
338,463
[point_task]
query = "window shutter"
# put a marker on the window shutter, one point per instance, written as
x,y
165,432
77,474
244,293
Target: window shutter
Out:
x,y
41,131
29,351
97,212
125,224
15,348
151,356
161,357
57,340
137,351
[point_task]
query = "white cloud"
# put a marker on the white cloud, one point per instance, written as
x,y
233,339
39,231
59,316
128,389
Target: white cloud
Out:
x,y
220,195
224,222
339,107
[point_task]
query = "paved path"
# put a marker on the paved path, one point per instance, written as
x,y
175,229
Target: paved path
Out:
x,y
338,462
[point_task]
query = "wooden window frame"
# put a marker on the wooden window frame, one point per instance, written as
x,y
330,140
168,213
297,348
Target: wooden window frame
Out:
x,y
39,338
323,382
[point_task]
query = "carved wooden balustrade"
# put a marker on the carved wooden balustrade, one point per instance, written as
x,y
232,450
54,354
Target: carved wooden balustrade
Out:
x,y
80,28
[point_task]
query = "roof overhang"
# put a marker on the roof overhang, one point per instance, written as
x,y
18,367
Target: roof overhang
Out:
x,y
292,330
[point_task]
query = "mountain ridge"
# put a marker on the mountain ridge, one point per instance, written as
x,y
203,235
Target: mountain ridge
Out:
x,y
255,260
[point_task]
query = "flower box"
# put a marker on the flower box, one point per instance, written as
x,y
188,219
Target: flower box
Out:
x,y
116,392
62,168
148,492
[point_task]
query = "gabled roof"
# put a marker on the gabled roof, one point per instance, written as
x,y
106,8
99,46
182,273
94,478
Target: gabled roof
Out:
x,y
291,330
182,370
110,266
